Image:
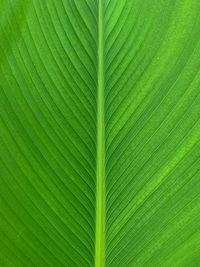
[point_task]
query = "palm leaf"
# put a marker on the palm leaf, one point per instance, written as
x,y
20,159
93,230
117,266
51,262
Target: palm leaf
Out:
x,y
99,133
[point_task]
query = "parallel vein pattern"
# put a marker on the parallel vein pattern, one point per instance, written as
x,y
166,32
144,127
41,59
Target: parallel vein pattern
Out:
x,y
48,133
152,127
99,133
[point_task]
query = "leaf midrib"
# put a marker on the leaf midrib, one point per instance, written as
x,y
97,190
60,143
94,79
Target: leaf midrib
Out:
x,y
100,171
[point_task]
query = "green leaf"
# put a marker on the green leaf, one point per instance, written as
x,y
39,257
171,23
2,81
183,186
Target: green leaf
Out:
x,y
99,133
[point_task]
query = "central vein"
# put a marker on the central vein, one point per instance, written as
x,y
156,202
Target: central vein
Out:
x,y
100,175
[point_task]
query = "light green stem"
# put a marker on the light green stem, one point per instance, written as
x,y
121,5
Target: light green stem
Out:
x,y
100,189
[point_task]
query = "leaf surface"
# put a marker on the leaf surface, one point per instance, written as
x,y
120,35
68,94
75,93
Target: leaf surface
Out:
x,y
99,133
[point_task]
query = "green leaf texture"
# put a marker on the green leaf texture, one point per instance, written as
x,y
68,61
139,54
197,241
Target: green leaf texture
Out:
x,y
99,133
